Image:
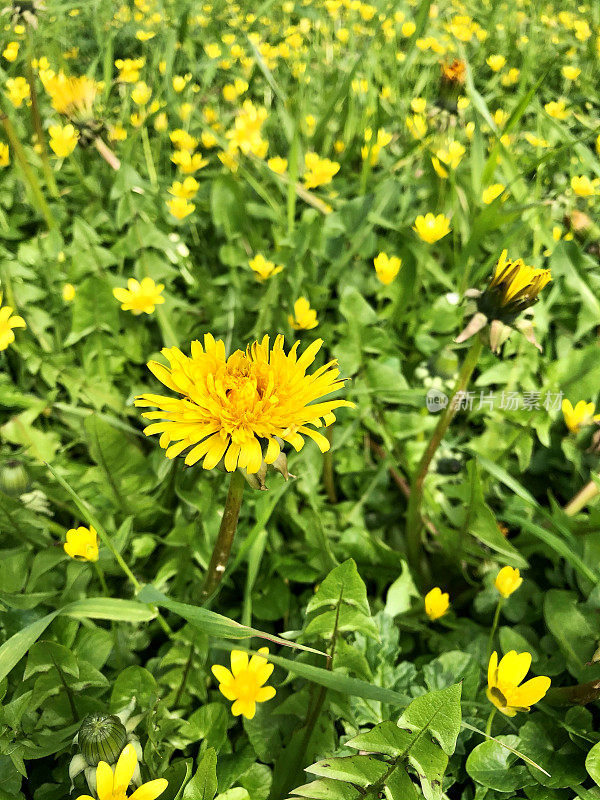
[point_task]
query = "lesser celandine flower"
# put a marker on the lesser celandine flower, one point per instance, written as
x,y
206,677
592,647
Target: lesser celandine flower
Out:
x,y
277,164
508,581
140,297
129,69
179,207
582,186
240,408
141,93
580,416
188,163
113,786
7,324
495,62
504,678
557,109
244,684
387,267
185,189
305,317
431,228
437,603
490,193
571,73
319,171
82,543
262,268
17,90
11,51
4,155
68,292
63,139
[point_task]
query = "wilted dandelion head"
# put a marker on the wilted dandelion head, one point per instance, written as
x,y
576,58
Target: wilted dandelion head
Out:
x,y
239,408
514,287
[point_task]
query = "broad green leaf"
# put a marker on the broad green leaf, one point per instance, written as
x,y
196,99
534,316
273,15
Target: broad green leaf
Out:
x,y
203,785
592,763
327,789
46,655
13,650
494,767
134,681
345,582
439,713
361,770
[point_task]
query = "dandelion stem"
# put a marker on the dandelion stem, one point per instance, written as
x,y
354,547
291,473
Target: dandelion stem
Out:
x,y
106,153
29,174
414,524
582,498
36,118
328,475
222,548
149,160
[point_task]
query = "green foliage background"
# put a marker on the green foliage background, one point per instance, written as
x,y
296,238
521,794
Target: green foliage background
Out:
x,y
311,551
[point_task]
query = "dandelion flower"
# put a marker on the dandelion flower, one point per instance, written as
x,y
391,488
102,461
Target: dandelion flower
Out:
x,y
140,298
504,678
72,97
236,407
244,684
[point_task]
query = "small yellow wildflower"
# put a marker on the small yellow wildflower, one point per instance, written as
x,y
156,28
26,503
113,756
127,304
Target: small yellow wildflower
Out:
x,y
492,192
511,77
582,186
11,51
208,139
417,125
508,581
82,544
418,105
244,683
557,109
504,679
495,62
140,298
17,90
437,603
182,140
68,292
320,171
179,207
571,73
305,317
387,267
179,83
113,786
129,69
407,29
144,36
4,155
185,189
7,323
187,162
161,122
63,140
431,228
264,269
581,415
277,165
141,93
117,133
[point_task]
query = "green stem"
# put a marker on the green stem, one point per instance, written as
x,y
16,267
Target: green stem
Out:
x,y
488,727
328,475
29,174
36,118
100,573
149,160
222,548
494,626
414,523
293,177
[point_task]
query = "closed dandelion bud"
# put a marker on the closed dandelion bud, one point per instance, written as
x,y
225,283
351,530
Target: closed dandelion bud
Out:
x,y
101,737
13,478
